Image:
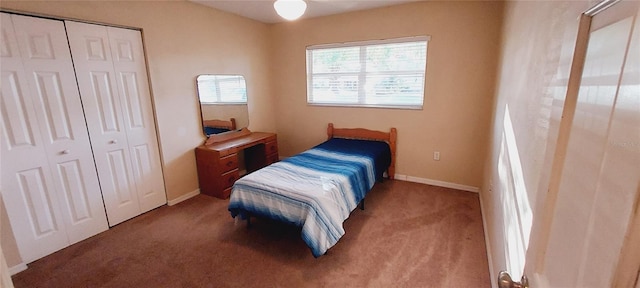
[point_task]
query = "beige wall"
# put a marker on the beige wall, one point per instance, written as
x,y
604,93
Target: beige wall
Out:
x,y
7,240
226,112
532,75
460,79
182,40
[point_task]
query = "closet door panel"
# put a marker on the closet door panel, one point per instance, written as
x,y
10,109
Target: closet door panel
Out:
x,y
47,59
15,110
16,107
131,76
105,119
28,188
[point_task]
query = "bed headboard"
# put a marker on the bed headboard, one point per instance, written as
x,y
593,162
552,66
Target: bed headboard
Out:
x,y
231,124
366,134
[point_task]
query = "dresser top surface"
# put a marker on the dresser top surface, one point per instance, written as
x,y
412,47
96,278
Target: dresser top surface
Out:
x,y
241,142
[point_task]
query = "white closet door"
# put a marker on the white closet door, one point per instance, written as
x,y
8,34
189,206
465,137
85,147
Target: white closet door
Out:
x,y
52,192
133,85
63,126
28,189
99,92
114,87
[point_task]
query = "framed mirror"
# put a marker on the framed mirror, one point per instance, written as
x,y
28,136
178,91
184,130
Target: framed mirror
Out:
x,y
223,103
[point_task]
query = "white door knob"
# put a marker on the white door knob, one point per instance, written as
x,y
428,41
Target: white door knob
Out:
x,y
65,151
114,141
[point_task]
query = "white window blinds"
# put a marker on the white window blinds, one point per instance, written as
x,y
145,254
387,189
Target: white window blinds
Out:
x,y
381,73
222,89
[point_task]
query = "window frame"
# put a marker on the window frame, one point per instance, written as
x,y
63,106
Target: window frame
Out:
x,y
363,74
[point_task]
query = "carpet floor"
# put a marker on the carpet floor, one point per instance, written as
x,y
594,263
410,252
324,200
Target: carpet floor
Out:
x,y
409,235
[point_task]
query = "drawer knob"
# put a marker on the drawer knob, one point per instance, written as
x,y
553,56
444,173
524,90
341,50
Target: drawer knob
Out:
x,y
230,163
232,179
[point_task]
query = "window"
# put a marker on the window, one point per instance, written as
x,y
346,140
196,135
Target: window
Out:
x,y
381,73
222,89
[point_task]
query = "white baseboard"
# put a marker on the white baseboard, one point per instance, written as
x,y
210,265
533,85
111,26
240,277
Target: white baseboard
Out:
x,y
487,242
13,270
437,183
184,197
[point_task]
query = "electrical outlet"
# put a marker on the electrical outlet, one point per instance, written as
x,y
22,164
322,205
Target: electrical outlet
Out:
x,y
436,155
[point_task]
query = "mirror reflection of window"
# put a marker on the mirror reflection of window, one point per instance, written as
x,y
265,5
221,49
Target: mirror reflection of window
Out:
x,y
222,89
223,103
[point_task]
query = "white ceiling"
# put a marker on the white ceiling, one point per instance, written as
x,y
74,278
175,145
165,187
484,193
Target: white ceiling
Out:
x,y
262,10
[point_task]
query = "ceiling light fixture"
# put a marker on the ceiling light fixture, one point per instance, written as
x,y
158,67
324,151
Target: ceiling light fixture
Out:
x,y
290,9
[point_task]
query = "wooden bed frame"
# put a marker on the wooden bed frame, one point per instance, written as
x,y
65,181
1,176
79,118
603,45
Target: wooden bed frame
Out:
x,y
231,124
365,134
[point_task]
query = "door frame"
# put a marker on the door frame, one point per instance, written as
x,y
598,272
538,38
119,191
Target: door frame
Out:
x,y
628,269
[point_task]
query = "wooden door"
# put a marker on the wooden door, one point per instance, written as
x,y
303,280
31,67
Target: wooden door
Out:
x,y
579,240
51,188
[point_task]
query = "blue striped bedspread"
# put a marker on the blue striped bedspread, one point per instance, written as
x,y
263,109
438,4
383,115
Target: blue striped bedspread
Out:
x,y
316,189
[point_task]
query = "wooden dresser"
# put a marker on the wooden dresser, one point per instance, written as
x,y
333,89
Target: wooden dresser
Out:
x,y
218,162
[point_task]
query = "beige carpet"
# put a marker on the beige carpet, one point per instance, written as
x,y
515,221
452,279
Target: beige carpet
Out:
x,y
410,235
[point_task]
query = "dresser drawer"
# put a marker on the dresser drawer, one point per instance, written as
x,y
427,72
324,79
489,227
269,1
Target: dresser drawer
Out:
x,y
227,179
272,158
228,163
226,193
271,147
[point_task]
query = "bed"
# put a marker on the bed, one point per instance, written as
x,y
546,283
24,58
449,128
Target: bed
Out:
x,y
318,188
216,126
